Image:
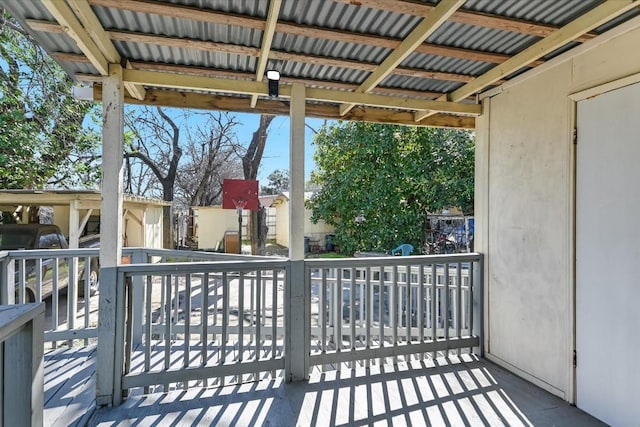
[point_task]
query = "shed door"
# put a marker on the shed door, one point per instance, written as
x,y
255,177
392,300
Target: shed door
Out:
x,y
608,256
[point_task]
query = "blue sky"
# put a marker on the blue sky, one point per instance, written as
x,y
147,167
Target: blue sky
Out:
x,y
276,152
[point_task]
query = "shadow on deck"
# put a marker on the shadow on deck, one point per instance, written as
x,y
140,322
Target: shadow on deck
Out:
x,y
452,392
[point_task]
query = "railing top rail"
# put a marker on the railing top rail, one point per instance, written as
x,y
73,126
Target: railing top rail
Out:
x,y
52,253
13,317
200,267
391,260
195,254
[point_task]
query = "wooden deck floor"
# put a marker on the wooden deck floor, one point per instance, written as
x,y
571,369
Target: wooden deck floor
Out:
x,y
451,392
69,386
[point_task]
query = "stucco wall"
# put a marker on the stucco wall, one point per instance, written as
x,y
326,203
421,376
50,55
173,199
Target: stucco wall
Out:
x,y
524,202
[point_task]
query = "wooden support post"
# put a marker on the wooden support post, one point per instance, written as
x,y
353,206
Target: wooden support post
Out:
x,y
111,231
297,326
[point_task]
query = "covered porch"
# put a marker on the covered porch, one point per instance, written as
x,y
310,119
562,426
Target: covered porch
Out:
x,y
517,74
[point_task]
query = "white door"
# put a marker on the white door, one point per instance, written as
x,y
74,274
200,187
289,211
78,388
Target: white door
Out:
x,y
608,256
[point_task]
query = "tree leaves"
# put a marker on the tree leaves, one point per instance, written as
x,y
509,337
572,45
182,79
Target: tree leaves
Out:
x,y
42,140
392,176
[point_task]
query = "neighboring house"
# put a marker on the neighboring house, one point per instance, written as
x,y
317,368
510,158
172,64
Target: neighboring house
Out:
x,y
78,213
315,232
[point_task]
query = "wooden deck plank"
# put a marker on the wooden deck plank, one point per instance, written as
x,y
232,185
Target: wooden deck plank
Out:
x,y
453,391
69,386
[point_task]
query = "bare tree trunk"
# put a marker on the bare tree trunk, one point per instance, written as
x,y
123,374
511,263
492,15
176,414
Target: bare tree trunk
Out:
x,y
250,164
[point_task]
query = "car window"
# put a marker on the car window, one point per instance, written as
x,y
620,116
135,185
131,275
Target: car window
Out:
x,y
50,241
16,239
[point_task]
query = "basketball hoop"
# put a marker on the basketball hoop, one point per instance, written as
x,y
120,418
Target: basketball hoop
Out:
x,y
240,204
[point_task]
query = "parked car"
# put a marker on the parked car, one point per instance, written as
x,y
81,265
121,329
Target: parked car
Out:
x,y
47,236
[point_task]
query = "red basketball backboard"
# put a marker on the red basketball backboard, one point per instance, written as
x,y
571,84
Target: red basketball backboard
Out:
x,y
238,193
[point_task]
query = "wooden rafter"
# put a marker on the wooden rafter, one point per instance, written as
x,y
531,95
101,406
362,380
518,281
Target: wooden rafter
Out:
x,y
414,7
267,38
168,80
424,29
583,24
171,98
207,46
71,26
87,31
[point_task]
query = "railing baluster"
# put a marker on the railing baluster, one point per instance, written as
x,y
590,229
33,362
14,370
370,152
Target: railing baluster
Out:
x,y
87,295
420,307
471,298
22,281
408,308
381,304
240,357
459,302
369,312
274,317
434,307
167,330
38,281
446,304
338,301
204,319
187,324
322,318
148,327
55,319
394,312
352,312
225,322
258,323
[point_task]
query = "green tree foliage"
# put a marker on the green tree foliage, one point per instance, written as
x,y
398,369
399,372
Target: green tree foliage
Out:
x,y
379,182
42,140
277,182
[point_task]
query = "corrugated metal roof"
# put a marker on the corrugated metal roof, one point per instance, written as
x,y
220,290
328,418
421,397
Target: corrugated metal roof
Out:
x,y
328,15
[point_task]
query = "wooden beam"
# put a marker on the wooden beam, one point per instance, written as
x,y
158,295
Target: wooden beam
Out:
x,y
92,25
186,82
480,19
67,19
217,17
137,91
175,99
267,38
421,32
581,25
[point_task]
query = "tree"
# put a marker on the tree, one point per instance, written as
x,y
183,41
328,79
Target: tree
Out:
x,y
278,181
210,156
379,182
42,140
250,164
156,143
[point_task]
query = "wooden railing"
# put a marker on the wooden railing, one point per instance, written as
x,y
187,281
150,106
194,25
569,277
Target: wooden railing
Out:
x,y
178,319
60,277
199,322
21,365
366,309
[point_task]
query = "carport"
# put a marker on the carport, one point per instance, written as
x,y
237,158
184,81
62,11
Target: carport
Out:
x,y
74,209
